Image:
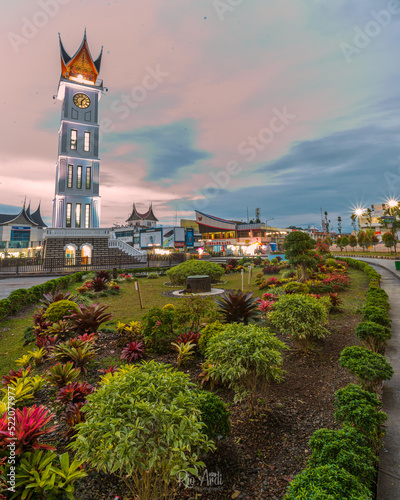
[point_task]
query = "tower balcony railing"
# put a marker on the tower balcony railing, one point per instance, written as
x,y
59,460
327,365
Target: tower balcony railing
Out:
x,y
58,232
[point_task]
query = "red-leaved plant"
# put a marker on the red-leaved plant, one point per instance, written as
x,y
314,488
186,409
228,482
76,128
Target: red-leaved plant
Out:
x,y
89,319
189,336
46,342
49,298
76,392
26,429
266,306
74,416
133,351
111,369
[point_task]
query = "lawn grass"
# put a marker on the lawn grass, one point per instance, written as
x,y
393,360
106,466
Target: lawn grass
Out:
x,y
369,253
125,307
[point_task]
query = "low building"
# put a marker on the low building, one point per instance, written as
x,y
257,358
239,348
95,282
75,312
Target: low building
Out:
x,y
21,233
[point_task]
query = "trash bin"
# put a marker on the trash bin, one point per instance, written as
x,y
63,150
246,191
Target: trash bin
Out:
x,y
397,264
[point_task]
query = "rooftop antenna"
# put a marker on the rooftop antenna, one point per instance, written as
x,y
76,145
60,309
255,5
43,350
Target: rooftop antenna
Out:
x,y
247,215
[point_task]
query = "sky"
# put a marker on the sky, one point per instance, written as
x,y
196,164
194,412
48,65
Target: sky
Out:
x,y
291,106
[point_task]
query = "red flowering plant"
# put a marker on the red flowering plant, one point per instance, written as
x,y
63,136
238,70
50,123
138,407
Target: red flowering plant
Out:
x,y
270,296
266,306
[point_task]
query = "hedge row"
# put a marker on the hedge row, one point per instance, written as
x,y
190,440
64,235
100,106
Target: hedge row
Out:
x,y
22,297
343,462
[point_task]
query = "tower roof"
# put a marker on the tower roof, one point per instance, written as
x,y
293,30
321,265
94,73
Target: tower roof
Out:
x,y
135,215
37,218
81,67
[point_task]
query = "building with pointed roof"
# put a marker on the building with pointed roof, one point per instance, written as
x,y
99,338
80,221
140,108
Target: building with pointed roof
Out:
x,y
148,219
22,232
76,202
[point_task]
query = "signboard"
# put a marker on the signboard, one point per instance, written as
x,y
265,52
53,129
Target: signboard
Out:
x,y
387,218
168,237
179,233
190,237
150,238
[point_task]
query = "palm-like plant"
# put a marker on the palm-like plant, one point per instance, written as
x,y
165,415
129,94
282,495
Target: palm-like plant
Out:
x,y
238,307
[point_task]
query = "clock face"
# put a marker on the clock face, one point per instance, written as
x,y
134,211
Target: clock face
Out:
x,y
81,100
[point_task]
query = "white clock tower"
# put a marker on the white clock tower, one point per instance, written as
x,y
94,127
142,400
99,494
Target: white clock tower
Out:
x,y
77,202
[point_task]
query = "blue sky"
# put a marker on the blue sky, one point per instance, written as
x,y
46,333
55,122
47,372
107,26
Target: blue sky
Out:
x,y
287,106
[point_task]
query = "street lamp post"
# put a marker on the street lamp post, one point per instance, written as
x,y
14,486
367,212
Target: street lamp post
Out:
x,y
391,205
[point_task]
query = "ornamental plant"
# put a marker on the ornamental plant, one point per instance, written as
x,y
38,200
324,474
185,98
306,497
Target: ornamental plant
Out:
x,y
373,335
327,482
99,284
158,329
23,388
89,319
361,410
62,374
370,368
207,333
193,311
214,415
347,448
25,429
38,477
189,336
149,438
133,351
13,375
299,248
75,392
57,310
186,352
302,317
296,287
238,307
80,354
178,274
61,329
49,298
377,315
247,358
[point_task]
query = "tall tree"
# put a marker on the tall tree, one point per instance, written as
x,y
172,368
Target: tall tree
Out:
x,y
299,248
368,216
353,240
388,239
344,241
353,218
326,222
339,225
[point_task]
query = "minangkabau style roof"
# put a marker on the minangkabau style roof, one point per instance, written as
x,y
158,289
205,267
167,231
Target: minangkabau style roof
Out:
x,y
24,217
135,215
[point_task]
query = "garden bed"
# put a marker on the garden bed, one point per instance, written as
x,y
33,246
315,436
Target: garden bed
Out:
x,y
263,453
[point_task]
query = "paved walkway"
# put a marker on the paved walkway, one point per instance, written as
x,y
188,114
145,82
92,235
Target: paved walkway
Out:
x,y
389,466
10,284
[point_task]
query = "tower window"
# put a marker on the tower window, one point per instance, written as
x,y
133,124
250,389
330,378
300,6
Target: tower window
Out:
x,y
78,215
79,177
86,143
74,139
69,211
88,177
87,215
70,174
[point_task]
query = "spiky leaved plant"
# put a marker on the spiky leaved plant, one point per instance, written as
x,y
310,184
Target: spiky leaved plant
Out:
x,y
238,307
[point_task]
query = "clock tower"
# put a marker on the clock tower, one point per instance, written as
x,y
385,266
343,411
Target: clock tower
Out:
x,y
76,202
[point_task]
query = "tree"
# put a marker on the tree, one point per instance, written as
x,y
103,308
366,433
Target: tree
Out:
x,y
344,241
353,240
393,224
339,225
298,248
326,222
361,239
339,243
374,239
368,216
388,239
353,218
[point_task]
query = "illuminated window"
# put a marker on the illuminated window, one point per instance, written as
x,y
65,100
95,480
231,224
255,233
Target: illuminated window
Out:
x,y
79,177
86,143
78,215
74,139
88,177
70,173
69,211
87,215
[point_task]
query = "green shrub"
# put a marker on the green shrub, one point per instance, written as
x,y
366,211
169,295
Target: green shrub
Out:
x,y
18,299
207,333
370,367
296,287
247,358
376,314
158,329
360,409
178,274
373,335
152,276
327,482
57,310
301,317
29,336
347,448
5,308
193,310
214,415
150,434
